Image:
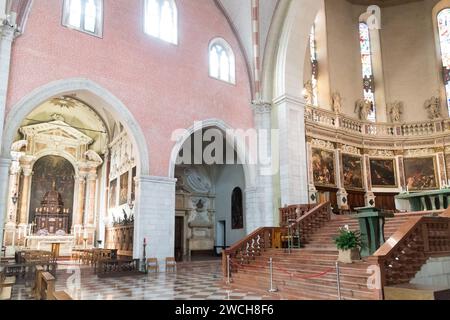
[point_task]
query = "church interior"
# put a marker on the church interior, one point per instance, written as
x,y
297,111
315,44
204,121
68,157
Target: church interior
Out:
x,y
225,150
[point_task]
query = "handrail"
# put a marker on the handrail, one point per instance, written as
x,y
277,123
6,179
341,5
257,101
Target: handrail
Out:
x,y
418,239
293,212
312,221
249,247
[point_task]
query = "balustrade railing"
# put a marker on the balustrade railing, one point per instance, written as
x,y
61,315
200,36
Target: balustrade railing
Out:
x,y
403,255
305,224
311,222
330,119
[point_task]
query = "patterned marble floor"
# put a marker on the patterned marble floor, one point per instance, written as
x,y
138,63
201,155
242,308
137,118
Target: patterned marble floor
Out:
x,y
187,284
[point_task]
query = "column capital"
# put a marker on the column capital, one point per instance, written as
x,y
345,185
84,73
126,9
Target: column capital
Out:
x,y
27,171
261,107
7,32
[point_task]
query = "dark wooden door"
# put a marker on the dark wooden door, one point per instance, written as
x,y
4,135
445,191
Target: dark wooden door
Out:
x,y
179,235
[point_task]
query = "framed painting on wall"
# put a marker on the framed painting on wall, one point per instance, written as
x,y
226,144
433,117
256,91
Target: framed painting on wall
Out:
x,y
323,163
133,184
383,173
421,173
123,194
352,171
113,194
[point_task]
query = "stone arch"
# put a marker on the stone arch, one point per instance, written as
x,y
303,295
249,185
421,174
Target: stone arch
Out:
x,y
245,158
92,91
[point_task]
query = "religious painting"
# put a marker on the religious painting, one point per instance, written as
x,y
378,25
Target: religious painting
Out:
x,y
352,172
383,173
421,173
237,209
323,163
123,194
52,173
113,194
133,184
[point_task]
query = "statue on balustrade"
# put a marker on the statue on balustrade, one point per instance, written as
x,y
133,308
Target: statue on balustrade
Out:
x,y
363,108
395,111
336,102
433,106
308,92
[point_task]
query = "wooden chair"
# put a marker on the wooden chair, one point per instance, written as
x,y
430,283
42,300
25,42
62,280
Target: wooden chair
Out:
x,y
171,264
152,265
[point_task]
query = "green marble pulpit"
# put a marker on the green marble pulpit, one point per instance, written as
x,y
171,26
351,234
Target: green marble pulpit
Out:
x,y
423,201
371,225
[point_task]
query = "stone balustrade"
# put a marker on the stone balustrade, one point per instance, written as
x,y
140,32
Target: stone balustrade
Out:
x,y
330,119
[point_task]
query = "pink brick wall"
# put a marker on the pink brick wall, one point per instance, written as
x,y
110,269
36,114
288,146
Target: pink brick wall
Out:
x,y
166,87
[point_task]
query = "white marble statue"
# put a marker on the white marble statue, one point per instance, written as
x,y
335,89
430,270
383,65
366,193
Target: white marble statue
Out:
x,y
308,92
363,108
433,106
395,111
336,102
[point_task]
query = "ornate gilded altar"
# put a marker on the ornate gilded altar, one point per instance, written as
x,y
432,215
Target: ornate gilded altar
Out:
x,y
52,217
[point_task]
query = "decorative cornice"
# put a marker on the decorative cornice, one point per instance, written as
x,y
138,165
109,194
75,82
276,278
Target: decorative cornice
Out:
x,y
381,153
261,107
419,152
350,149
322,144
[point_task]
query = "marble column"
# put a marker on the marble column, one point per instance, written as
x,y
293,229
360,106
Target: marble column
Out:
x,y
13,193
266,168
25,194
292,149
6,39
369,197
342,195
79,211
4,172
155,218
91,184
252,216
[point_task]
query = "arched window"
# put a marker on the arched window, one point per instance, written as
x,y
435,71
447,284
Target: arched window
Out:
x,y
314,66
161,20
444,40
237,209
221,61
84,15
367,67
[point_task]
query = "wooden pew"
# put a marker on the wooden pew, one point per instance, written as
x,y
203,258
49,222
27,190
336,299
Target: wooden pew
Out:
x,y
6,284
45,287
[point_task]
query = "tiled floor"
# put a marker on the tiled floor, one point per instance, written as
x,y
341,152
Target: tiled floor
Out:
x,y
187,284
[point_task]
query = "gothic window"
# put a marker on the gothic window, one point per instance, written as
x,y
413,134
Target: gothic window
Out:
x,y
314,65
161,20
221,61
367,67
444,40
237,209
84,15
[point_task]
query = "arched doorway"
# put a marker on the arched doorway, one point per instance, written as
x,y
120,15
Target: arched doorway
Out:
x,y
84,124
206,198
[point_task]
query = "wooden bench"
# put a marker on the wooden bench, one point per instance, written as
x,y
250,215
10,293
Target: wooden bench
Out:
x,y
6,284
45,287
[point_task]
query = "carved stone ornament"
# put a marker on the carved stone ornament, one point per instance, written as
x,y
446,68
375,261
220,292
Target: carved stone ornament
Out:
x,y
322,144
419,152
350,149
363,108
197,180
381,153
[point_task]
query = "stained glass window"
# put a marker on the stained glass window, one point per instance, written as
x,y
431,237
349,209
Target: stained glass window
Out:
x,y
221,61
161,20
314,64
444,39
367,66
84,15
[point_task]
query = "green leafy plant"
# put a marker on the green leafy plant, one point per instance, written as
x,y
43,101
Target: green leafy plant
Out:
x,y
348,240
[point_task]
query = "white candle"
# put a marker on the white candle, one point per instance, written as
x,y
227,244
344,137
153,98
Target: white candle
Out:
x,y
85,236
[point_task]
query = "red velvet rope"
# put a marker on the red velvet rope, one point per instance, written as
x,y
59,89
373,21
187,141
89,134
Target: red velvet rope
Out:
x,y
312,276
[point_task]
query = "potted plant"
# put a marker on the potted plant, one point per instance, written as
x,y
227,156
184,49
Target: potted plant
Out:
x,y
348,243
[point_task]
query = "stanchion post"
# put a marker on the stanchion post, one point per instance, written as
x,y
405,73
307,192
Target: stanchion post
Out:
x,y
228,270
338,280
272,289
